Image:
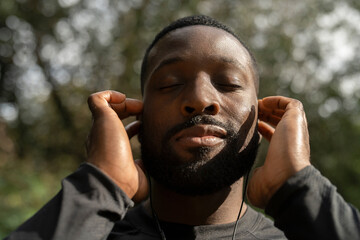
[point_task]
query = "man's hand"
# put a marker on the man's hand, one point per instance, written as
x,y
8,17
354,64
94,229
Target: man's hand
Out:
x,y
109,147
289,149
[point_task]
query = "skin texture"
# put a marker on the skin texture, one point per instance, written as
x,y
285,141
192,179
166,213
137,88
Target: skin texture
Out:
x,y
195,72
283,123
198,70
202,79
108,144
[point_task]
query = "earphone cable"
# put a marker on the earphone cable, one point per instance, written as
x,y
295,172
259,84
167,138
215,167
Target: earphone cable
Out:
x,y
161,232
155,217
241,206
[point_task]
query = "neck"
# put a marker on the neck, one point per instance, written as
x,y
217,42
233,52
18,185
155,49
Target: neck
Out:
x,y
218,208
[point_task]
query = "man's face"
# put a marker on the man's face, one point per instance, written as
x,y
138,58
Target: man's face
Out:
x,y
200,109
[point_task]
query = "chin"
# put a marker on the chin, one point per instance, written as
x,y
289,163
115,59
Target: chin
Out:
x,y
192,155
201,174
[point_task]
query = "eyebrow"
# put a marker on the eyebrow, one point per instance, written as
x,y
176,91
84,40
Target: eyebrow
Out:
x,y
232,61
168,62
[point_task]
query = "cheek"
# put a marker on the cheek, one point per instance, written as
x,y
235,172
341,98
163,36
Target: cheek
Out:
x,y
157,119
238,109
157,113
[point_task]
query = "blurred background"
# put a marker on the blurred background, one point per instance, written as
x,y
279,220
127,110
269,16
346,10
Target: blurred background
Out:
x,y
54,53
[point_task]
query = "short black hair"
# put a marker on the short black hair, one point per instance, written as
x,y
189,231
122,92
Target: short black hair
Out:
x,y
192,21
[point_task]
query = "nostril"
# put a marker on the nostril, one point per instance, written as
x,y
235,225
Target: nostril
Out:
x,y
210,108
189,109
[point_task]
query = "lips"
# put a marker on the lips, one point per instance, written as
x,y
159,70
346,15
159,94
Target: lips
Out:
x,y
200,136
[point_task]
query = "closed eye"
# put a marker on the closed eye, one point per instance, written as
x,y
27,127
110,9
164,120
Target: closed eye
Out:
x,y
171,86
228,86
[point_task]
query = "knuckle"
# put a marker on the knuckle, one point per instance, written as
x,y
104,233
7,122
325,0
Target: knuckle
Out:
x,y
98,95
296,103
93,101
90,99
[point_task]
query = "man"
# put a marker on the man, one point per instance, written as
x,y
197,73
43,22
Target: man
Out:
x,y
198,129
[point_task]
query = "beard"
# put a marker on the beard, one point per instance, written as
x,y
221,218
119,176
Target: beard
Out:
x,y
202,175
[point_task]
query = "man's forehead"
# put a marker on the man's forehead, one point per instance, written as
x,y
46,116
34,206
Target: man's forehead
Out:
x,y
186,36
192,40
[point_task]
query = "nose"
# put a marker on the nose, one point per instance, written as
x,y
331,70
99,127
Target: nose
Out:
x,y
200,97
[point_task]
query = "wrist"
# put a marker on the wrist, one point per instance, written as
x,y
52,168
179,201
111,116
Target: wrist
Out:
x,y
126,179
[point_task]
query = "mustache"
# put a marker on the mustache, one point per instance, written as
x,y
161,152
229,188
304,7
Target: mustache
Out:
x,y
197,120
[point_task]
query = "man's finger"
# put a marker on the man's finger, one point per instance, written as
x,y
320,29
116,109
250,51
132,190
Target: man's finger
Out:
x,y
101,100
272,109
279,105
140,163
268,118
265,130
132,129
126,108
111,100
275,102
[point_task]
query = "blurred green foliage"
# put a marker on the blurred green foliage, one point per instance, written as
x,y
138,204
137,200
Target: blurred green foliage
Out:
x,y
53,54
